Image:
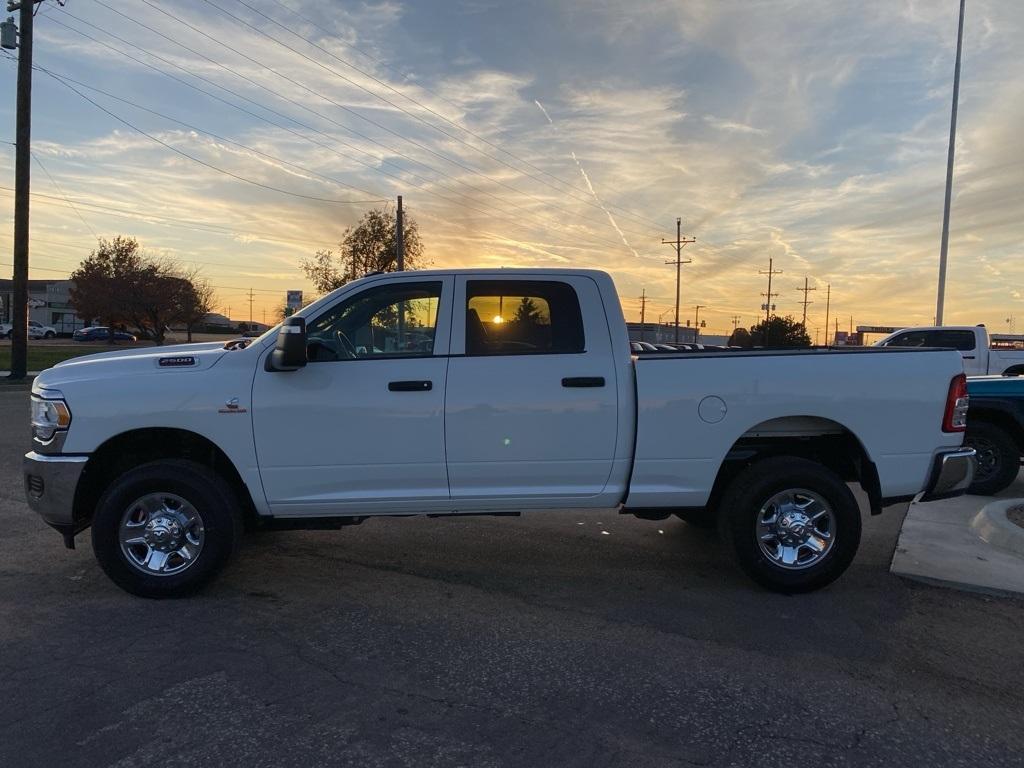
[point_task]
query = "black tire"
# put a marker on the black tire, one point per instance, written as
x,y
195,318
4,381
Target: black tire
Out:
x,y
752,488
998,457
703,518
49,335
210,496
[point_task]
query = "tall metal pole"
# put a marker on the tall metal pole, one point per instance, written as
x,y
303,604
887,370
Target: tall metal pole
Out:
x,y
22,182
400,236
696,321
944,248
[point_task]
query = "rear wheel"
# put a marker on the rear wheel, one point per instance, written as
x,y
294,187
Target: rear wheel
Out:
x,y
791,524
166,528
998,457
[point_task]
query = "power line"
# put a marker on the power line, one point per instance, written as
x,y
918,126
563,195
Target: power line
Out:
x,y
197,129
61,192
375,168
357,114
172,222
419,104
203,163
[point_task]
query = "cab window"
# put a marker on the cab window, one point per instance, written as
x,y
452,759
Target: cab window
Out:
x,y
389,321
522,317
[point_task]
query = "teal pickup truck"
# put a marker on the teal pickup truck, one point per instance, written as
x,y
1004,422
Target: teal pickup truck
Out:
x,y
995,430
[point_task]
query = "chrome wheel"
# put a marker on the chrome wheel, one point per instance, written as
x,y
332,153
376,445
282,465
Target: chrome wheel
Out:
x,y
795,528
161,534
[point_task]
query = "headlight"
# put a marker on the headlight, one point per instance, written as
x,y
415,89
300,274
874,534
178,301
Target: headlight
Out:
x,y
48,416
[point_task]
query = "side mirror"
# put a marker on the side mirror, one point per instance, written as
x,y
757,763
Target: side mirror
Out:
x,y
290,350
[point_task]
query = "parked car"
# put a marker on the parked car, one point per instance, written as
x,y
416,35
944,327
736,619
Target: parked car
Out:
x,y
35,330
980,357
100,333
995,429
164,451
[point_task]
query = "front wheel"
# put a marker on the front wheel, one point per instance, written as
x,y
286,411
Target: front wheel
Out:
x,y
166,528
49,335
792,524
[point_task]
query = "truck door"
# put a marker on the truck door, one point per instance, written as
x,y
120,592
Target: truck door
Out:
x,y
531,406
361,427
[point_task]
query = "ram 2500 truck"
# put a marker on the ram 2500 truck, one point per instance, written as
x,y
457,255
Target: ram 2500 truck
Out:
x,y
483,392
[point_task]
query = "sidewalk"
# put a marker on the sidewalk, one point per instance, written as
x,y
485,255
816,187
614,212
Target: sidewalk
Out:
x,y
955,543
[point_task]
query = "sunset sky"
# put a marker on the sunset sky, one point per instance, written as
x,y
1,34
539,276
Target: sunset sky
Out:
x,y
543,133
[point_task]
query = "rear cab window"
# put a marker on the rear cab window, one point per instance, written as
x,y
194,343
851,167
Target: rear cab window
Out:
x,y
523,317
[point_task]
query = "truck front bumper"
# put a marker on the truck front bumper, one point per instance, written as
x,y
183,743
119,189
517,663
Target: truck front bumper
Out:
x,y
952,474
50,483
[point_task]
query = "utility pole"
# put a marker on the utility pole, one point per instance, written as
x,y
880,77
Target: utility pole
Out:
x,y
806,290
768,306
828,303
400,258
643,312
250,308
944,246
735,322
680,242
400,236
22,186
696,321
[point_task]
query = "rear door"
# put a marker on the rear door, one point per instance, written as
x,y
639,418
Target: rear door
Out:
x,y
531,405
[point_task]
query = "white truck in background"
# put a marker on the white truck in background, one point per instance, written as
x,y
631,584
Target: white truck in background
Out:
x,y
485,392
982,356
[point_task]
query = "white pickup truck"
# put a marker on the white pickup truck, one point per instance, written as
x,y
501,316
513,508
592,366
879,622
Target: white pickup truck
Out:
x,y
981,355
483,392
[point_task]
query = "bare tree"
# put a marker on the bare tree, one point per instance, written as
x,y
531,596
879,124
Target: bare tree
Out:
x,y
370,246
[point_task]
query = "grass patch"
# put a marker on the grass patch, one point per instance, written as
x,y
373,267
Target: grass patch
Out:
x,y
46,356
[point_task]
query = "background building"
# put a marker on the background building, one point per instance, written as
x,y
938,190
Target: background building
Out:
x,y
49,303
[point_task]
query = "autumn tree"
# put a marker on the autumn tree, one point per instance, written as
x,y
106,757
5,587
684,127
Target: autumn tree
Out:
x,y
780,332
370,246
119,284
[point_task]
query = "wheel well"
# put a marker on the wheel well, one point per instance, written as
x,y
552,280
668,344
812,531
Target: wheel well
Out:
x,y
1014,370
132,449
820,440
1001,420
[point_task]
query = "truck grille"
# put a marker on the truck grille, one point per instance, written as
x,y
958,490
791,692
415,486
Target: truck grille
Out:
x,y
35,485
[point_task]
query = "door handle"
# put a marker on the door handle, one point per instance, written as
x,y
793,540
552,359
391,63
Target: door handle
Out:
x,y
583,381
968,357
410,386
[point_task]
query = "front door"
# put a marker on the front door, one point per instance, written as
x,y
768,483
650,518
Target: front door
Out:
x,y
361,427
531,413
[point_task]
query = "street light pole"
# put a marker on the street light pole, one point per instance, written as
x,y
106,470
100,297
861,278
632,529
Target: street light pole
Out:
x,y
944,247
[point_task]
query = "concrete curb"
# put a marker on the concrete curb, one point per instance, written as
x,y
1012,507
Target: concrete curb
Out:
x,y
993,527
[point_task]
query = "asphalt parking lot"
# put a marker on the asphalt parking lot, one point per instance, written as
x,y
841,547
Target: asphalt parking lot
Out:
x,y
573,639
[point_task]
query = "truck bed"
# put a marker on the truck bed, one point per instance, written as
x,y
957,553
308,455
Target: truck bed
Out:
x,y
695,407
